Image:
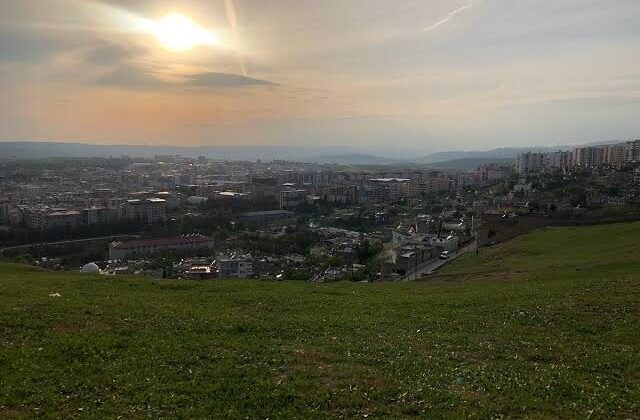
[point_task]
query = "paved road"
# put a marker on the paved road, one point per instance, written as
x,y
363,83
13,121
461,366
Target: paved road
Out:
x,y
432,266
70,241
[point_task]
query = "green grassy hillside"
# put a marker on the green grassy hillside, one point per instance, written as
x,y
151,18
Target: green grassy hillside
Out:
x,y
546,326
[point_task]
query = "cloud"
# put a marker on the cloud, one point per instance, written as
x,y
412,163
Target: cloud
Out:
x,y
225,80
452,15
21,45
132,76
107,53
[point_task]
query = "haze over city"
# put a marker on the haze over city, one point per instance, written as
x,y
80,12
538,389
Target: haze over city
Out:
x,y
374,75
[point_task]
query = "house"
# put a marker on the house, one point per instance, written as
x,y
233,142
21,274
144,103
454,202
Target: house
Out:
x,y
201,272
450,243
235,266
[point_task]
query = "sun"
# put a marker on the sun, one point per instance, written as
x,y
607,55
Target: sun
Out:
x,y
176,32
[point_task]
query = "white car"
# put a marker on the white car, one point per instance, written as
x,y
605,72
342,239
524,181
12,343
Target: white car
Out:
x,y
445,255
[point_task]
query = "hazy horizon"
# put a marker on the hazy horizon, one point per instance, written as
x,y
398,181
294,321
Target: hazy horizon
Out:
x,y
368,75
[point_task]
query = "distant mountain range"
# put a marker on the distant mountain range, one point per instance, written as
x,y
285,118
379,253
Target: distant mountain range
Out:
x,y
355,159
460,160
501,153
468,163
39,150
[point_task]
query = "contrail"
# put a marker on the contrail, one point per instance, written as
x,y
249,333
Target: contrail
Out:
x,y
233,23
451,15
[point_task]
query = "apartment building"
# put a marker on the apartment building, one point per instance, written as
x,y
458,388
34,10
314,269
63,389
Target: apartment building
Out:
x,y
529,162
149,210
183,244
588,156
614,153
291,198
632,151
385,190
561,160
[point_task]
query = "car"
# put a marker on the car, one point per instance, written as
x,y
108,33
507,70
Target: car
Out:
x,y
445,255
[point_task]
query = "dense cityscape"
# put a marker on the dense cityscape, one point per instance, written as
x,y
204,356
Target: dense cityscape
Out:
x,y
335,209
200,218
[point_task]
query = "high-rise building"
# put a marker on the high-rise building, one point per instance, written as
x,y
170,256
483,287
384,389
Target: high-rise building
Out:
x,y
383,190
632,151
588,156
614,153
529,162
561,159
265,187
342,194
150,210
437,185
292,198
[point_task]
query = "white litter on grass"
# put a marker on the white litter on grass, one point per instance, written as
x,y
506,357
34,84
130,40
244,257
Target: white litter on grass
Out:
x,y
55,295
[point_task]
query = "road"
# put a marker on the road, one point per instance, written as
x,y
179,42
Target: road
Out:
x,y
70,241
432,266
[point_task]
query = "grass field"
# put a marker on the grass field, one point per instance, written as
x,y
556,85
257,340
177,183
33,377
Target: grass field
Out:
x,y
545,326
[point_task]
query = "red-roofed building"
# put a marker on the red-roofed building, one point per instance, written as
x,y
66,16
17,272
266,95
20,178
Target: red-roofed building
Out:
x,y
181,244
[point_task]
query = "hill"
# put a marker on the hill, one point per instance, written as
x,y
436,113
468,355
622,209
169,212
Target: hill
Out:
x,y
354,159
544,326
505,153
342,155
468,164
450,159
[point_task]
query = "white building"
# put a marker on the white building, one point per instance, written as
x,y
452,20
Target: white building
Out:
x,y
235,266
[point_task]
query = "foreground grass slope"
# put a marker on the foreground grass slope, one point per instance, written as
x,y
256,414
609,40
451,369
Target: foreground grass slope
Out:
x,y
545,326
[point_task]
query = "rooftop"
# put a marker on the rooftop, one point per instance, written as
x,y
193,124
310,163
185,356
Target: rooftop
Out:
x,y
264,213
65,213
390,179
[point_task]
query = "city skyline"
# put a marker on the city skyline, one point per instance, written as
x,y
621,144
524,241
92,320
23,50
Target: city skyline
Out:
x,y
430,76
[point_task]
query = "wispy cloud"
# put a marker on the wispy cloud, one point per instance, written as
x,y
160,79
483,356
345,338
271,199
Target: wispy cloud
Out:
x,y
222,80
452,15
132,76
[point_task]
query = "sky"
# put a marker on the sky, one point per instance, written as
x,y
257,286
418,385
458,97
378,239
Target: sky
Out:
x,y
381,76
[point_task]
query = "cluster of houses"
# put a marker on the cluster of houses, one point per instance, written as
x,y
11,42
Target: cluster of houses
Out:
x,y
425,241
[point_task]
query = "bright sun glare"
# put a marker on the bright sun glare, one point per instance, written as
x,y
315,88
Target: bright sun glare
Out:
x,y
179,33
